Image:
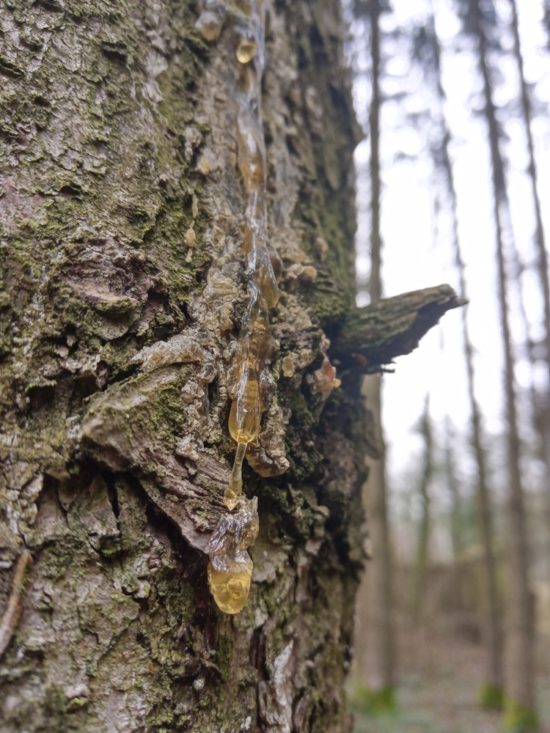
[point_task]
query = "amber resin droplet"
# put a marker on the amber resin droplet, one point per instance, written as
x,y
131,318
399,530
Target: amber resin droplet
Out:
x,y
245,413
230,567
229,579
232,493
251,154
234,489
268,284
246,50
209,25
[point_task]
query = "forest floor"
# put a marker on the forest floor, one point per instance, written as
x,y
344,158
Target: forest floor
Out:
x,y
440,676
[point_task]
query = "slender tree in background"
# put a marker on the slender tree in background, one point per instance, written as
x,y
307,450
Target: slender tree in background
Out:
x,y
520,670
546,19
424,525
541,413
455,522
380,653
490,693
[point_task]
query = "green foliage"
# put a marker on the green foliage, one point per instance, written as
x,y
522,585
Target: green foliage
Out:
x,y
491,697
519,719
395,720
373,702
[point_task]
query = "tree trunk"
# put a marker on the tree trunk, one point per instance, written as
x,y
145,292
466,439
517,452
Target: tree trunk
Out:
x,y
546,20
520,677
491,692
424,526
122,217
378,613
541,411
455,514
377,609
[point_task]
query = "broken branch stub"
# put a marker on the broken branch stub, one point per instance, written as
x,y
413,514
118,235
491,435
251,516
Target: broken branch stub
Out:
x,y
374,335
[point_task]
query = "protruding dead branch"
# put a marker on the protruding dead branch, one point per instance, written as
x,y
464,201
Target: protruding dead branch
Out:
x,y
375,335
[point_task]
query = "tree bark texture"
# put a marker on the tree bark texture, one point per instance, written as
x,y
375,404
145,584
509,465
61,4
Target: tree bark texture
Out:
x,y
123,292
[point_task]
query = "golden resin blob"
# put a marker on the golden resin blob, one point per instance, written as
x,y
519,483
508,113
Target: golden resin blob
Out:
x,y
245,414
246,50
209,25
229,579
234,489
230,566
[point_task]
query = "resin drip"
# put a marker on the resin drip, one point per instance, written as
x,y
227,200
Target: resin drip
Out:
x,y
229,578
246,409
230,567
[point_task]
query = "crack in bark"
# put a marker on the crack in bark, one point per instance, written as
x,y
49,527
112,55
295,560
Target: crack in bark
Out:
x,y
14,608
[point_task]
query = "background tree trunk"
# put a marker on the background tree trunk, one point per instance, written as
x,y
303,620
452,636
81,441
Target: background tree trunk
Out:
x,y
520,670
425,519
541,408
491,691
456,524
377,612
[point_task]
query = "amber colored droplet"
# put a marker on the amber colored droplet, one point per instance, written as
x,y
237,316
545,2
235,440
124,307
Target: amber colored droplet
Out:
x,y
257,342
230,567
268,286
249,529
234,489
229,579
231,497
246,50
245,413
251,153
252,171
247,239
209,25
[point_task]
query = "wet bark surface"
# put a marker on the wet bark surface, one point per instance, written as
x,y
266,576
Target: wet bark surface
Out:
x,y
121,213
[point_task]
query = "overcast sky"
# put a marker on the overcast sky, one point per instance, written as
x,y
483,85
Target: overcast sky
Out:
x,y
414,257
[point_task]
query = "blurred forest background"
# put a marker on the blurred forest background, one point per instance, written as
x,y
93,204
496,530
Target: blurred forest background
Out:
x,y
453,177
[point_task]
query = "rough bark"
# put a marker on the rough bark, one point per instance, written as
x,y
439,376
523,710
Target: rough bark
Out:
x,y
123,293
